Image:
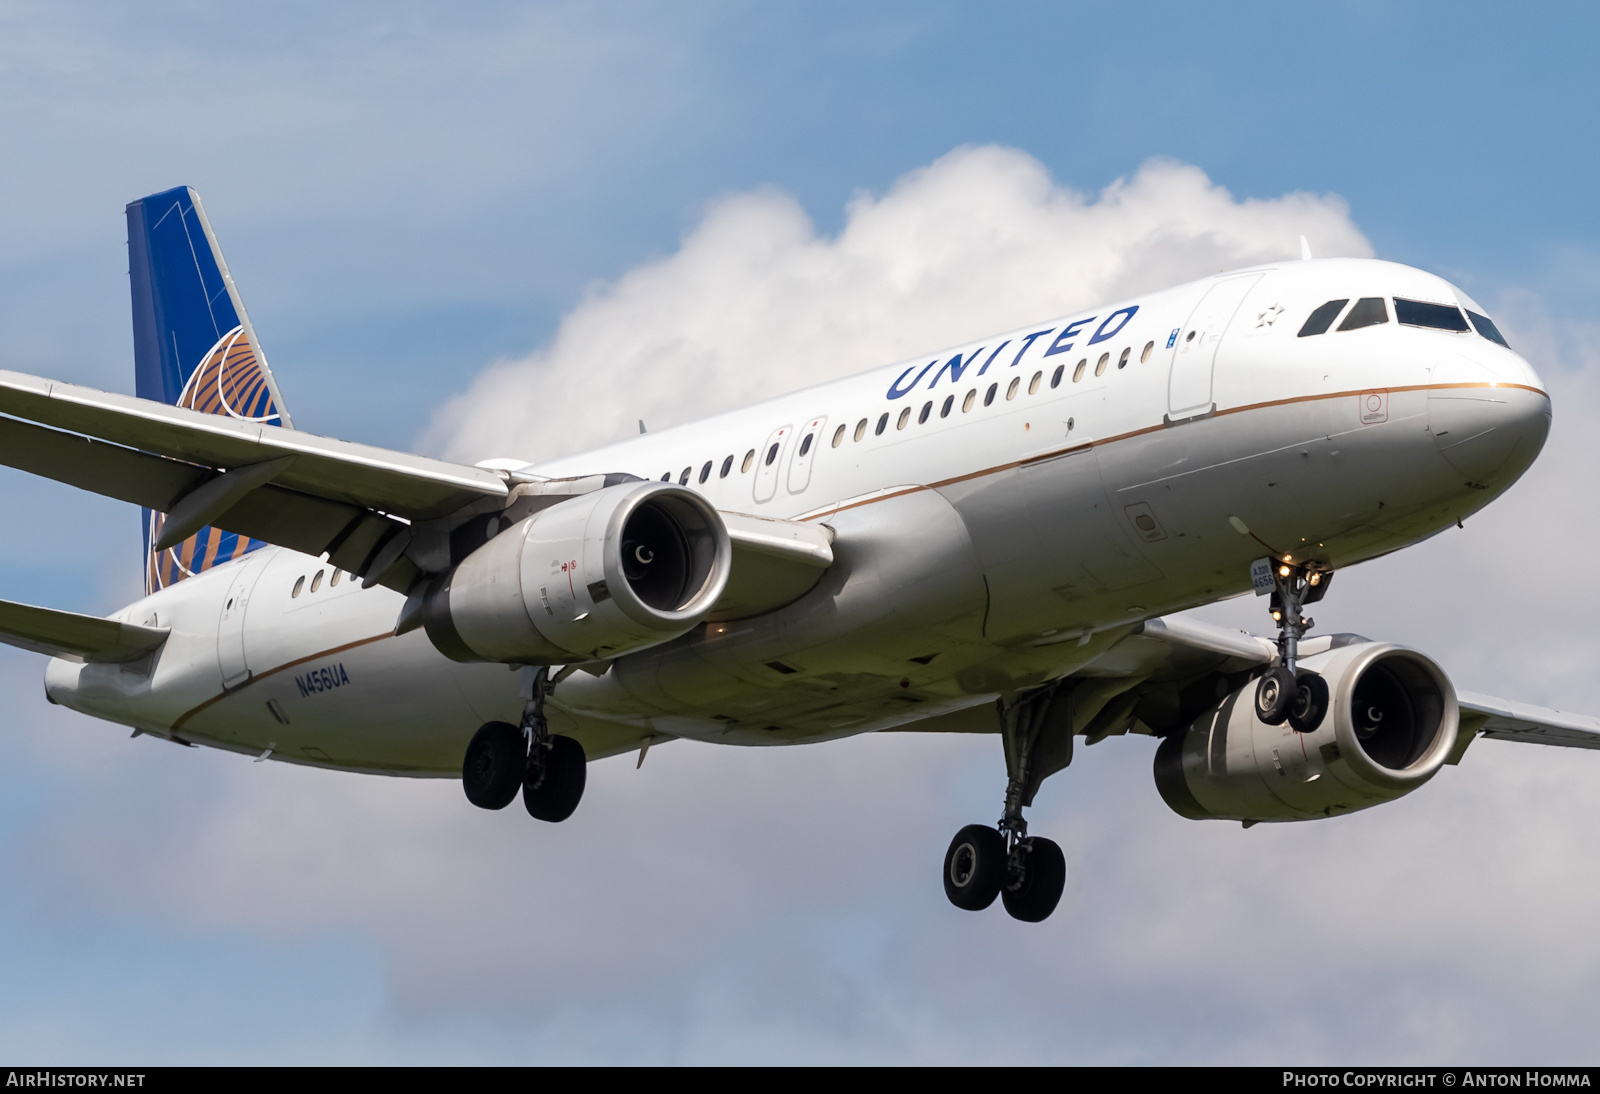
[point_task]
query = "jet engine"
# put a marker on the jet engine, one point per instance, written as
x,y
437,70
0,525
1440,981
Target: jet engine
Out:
x,y
601,574
1390,722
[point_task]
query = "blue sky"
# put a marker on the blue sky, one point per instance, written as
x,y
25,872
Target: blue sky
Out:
x,y
409,193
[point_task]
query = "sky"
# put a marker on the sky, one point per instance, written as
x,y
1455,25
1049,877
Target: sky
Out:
x,y
516,229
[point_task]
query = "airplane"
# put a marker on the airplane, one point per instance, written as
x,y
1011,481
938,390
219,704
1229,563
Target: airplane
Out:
x,y
993,538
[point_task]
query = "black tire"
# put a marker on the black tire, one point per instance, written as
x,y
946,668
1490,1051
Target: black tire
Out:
x,y
975,867
1044,877
551,791
493,767
1275,693
1310,702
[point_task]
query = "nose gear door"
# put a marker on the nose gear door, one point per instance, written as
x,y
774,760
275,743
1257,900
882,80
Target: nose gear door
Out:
x,y
1189,382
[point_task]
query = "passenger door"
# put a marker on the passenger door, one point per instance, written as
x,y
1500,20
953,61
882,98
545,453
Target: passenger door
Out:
x,y
230,625
768,461
800,466
1189,382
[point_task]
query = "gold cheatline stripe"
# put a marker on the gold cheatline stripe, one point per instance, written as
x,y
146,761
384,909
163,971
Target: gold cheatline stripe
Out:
x,y
182,718
1070,449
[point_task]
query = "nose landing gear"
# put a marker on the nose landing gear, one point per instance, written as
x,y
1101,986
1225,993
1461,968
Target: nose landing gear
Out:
x,y
1028,873
1286,693
551,770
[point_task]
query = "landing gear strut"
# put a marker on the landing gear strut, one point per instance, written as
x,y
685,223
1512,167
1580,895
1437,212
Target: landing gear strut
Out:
x,y
1286,693
550,769
1027,873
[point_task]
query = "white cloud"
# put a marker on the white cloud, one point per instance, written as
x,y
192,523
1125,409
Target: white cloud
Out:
x,y
754,302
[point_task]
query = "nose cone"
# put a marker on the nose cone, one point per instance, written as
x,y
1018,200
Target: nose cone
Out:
x,y
1489,422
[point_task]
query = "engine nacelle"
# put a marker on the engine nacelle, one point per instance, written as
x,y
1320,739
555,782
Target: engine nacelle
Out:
x,y
596,576
1391,722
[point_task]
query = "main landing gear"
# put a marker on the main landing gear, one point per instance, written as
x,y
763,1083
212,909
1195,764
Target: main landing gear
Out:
x,y
1027,873
502,758
1286,693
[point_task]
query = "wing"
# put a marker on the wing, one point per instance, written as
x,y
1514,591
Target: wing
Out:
x,y
1522,722
384,516
76,637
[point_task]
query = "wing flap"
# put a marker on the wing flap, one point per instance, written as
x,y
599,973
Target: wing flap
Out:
x,y
76,637
414,487
350,534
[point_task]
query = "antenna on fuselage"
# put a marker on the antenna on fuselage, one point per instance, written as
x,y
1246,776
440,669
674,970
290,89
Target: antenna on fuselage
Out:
x,y
1305,250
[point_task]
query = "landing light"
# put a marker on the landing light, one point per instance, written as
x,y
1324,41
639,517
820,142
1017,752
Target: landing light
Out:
x,y
1283,571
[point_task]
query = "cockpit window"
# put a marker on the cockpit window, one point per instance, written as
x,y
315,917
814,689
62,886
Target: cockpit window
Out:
x,y
1420,313
1323,318
1487,328
1368,312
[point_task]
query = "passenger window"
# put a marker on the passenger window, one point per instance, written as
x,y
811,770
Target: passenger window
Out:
x,y
1100,365
1487,328
966,404
772,454
949,401
1368,312
334,580
926,408
1077,373
861,429
1145,356
988,396
905,416
1011,389
1320,320
883,423
316,582
1033,384
727,465
1055,377
683,479
838,436
1420,313
298,585
1122,362
705,472
666,476
805,445
749,458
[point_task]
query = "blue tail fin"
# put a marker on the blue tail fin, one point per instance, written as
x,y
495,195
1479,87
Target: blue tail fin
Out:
x,y
193,346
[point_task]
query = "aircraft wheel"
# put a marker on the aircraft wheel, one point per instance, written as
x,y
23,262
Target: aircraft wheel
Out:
x,y
554,787
493,767
1275,694
1044,876
975,867
1310,702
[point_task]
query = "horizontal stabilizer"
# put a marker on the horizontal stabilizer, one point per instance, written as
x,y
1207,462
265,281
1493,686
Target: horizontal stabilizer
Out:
x,y
76,637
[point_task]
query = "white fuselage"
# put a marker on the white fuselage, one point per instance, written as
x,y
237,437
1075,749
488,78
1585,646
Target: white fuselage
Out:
x,y
1014,516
